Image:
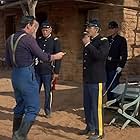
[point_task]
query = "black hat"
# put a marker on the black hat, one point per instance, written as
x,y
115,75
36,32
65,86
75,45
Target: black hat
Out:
x,y
92,23
112,25
45,24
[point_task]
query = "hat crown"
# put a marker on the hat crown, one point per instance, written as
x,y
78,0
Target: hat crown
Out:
x,y
45,24
113,24
93,22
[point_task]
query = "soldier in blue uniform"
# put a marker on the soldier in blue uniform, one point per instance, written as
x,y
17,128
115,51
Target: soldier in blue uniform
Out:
x,y
94,78
21,49
116,59
46,72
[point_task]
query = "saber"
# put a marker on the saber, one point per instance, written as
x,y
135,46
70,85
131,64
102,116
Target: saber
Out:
x,y
54,83
110,84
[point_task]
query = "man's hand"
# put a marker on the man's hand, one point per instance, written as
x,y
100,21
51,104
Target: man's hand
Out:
x,y
119,69
57,56
86,39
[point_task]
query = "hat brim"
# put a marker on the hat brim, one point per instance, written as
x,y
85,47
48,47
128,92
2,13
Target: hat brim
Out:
x,y
45,26
112,27
91,25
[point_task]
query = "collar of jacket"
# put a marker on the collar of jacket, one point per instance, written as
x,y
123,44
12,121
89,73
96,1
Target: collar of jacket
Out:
x,y
98,36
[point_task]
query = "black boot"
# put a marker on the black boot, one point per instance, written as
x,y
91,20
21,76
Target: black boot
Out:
x,y
16,123
21,133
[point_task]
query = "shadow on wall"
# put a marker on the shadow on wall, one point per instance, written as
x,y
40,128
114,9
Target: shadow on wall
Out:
x,y
3,65
136,31
4,138
133,67
5,72
134,62
66,98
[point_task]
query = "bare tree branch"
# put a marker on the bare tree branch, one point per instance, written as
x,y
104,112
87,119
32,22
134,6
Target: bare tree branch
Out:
x,y
32,6
36,28
25,12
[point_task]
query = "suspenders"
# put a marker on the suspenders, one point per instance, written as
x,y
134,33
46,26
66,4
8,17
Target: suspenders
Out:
x,y
14,46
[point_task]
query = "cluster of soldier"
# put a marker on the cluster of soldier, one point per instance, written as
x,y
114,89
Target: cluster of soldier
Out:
x,y
36,62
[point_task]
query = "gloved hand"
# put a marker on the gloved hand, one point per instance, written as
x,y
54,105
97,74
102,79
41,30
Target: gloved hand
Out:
x,y
119,69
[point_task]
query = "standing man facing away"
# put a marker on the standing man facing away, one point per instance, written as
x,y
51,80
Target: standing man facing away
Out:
x,y
47,72
116,59
21,48
94,76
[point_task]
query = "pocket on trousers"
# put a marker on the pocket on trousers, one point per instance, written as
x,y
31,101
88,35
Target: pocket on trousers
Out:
x,y
33,76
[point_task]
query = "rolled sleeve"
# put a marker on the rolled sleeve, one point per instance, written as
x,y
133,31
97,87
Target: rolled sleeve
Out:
x,y
37,51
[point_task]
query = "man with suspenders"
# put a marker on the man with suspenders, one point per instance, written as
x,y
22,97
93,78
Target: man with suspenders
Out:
x,y
21,48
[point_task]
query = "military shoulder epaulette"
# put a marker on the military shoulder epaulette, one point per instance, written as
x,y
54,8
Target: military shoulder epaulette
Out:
x,y
103,38
56,38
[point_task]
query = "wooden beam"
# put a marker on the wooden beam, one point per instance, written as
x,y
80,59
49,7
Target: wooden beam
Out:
x,y
12,4
109,4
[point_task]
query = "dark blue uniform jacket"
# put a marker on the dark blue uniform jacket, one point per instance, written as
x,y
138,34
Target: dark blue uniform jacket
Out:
x,y
94,57
49,45
117,56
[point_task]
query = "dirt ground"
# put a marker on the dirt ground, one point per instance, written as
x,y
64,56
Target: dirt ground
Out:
x,y
67,117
